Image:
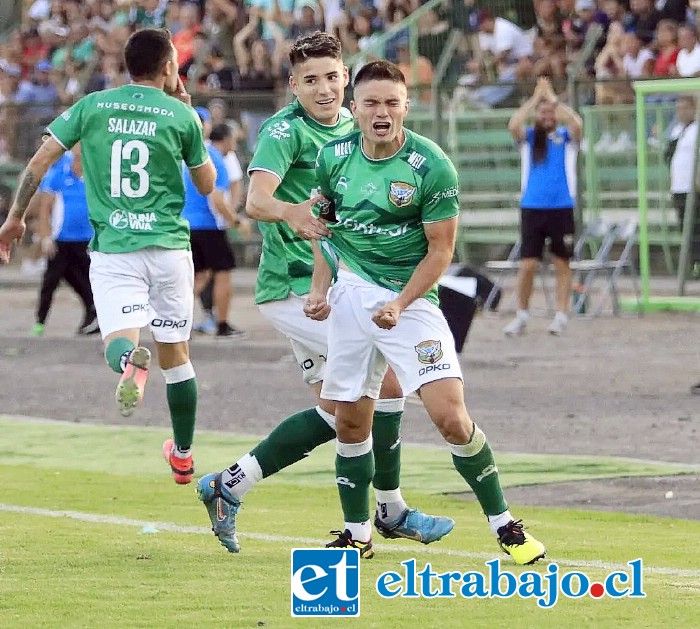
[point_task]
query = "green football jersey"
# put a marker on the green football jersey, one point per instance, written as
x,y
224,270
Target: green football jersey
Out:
x,y
288,144
381,205
133,140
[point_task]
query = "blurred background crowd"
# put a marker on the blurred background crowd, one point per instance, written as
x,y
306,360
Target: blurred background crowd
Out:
x,y
63,49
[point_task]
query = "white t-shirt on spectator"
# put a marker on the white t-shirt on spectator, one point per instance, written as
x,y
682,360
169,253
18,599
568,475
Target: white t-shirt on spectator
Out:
x,y
688,63
506,36
634,66
235,173
40,10
682,161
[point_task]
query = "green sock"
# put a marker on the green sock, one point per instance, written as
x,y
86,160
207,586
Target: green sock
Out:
x,y
387,450
354,469
291,441
115,350
475,463
182,402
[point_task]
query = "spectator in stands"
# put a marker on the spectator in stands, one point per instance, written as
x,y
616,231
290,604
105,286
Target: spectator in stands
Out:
x,y
222,20
549,48
666,49
642,19
549,150
418,74
220,75
505,55
259,69
110,73
9,82
433,33
40,92
638,61
309,19
614,9
676,10
148,14
189,18
688,60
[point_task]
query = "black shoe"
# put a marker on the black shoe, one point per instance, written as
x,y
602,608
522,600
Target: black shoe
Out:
x,y
89,325
345,540
224,330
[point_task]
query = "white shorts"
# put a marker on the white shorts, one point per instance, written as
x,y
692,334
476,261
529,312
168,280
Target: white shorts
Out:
x,y
420,349
309,338
151,286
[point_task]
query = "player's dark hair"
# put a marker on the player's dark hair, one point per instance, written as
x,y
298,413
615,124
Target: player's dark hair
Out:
x,y
220,132
379,71
146,52
315,46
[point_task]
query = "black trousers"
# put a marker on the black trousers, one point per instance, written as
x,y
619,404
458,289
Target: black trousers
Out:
x,y
72,264
679,199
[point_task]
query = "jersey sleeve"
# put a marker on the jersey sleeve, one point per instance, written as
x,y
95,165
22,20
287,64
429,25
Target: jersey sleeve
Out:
x,y
67,127
278,146
440,193
193,150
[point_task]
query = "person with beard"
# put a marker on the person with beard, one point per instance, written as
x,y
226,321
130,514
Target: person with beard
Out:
x,y
549,150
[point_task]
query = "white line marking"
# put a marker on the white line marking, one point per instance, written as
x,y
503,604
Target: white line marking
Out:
x,y
415,549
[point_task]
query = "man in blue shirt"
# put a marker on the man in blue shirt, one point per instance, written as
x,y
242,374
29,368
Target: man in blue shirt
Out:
x,y
209,217
549,150
65,232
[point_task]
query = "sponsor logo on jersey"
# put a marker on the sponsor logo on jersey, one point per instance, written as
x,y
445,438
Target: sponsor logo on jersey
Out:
x,y
278,131
429,352
343,149
416,160
66,115
401,194
146,109
352,224
342,183
120,219
447,193
369,189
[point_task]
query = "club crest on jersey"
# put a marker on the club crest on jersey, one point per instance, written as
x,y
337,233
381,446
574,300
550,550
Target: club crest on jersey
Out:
x,y
401,194
429,352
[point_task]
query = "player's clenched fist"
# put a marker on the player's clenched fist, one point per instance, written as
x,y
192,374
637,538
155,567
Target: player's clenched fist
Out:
x,y
388,316
316,307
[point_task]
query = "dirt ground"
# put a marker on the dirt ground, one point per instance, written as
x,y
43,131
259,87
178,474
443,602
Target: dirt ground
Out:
x,y
610,386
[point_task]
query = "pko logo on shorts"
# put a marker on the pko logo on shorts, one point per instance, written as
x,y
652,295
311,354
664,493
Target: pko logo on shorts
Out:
x,y
326,582
545,587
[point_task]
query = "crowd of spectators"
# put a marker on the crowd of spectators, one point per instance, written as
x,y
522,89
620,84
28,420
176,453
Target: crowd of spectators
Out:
x,y
66,48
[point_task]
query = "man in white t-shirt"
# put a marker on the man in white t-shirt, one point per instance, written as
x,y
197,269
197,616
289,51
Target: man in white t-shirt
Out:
x,y
688,61
638,62
506,49
683,138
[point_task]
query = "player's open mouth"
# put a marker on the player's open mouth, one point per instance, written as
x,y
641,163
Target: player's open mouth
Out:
x,y
323,103
381,128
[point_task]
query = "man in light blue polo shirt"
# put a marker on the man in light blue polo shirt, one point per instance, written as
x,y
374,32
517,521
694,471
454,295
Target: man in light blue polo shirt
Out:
x,y
209,217
65,232
549,151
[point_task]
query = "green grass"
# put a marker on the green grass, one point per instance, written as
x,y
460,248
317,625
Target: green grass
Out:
x,y
61,572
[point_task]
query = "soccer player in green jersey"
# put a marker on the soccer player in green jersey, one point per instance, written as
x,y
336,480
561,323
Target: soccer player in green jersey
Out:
x,y
282,180
134,139
396,199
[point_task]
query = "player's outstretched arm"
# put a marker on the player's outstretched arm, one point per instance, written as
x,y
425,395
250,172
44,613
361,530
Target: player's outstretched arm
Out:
x,y
13,228
262,205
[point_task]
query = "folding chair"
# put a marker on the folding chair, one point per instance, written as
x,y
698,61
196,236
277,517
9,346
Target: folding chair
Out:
x,y
512,265
599,237
626,232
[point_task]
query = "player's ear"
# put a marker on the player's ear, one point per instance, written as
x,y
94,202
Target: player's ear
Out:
x,y
346,76
353,108
293,84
